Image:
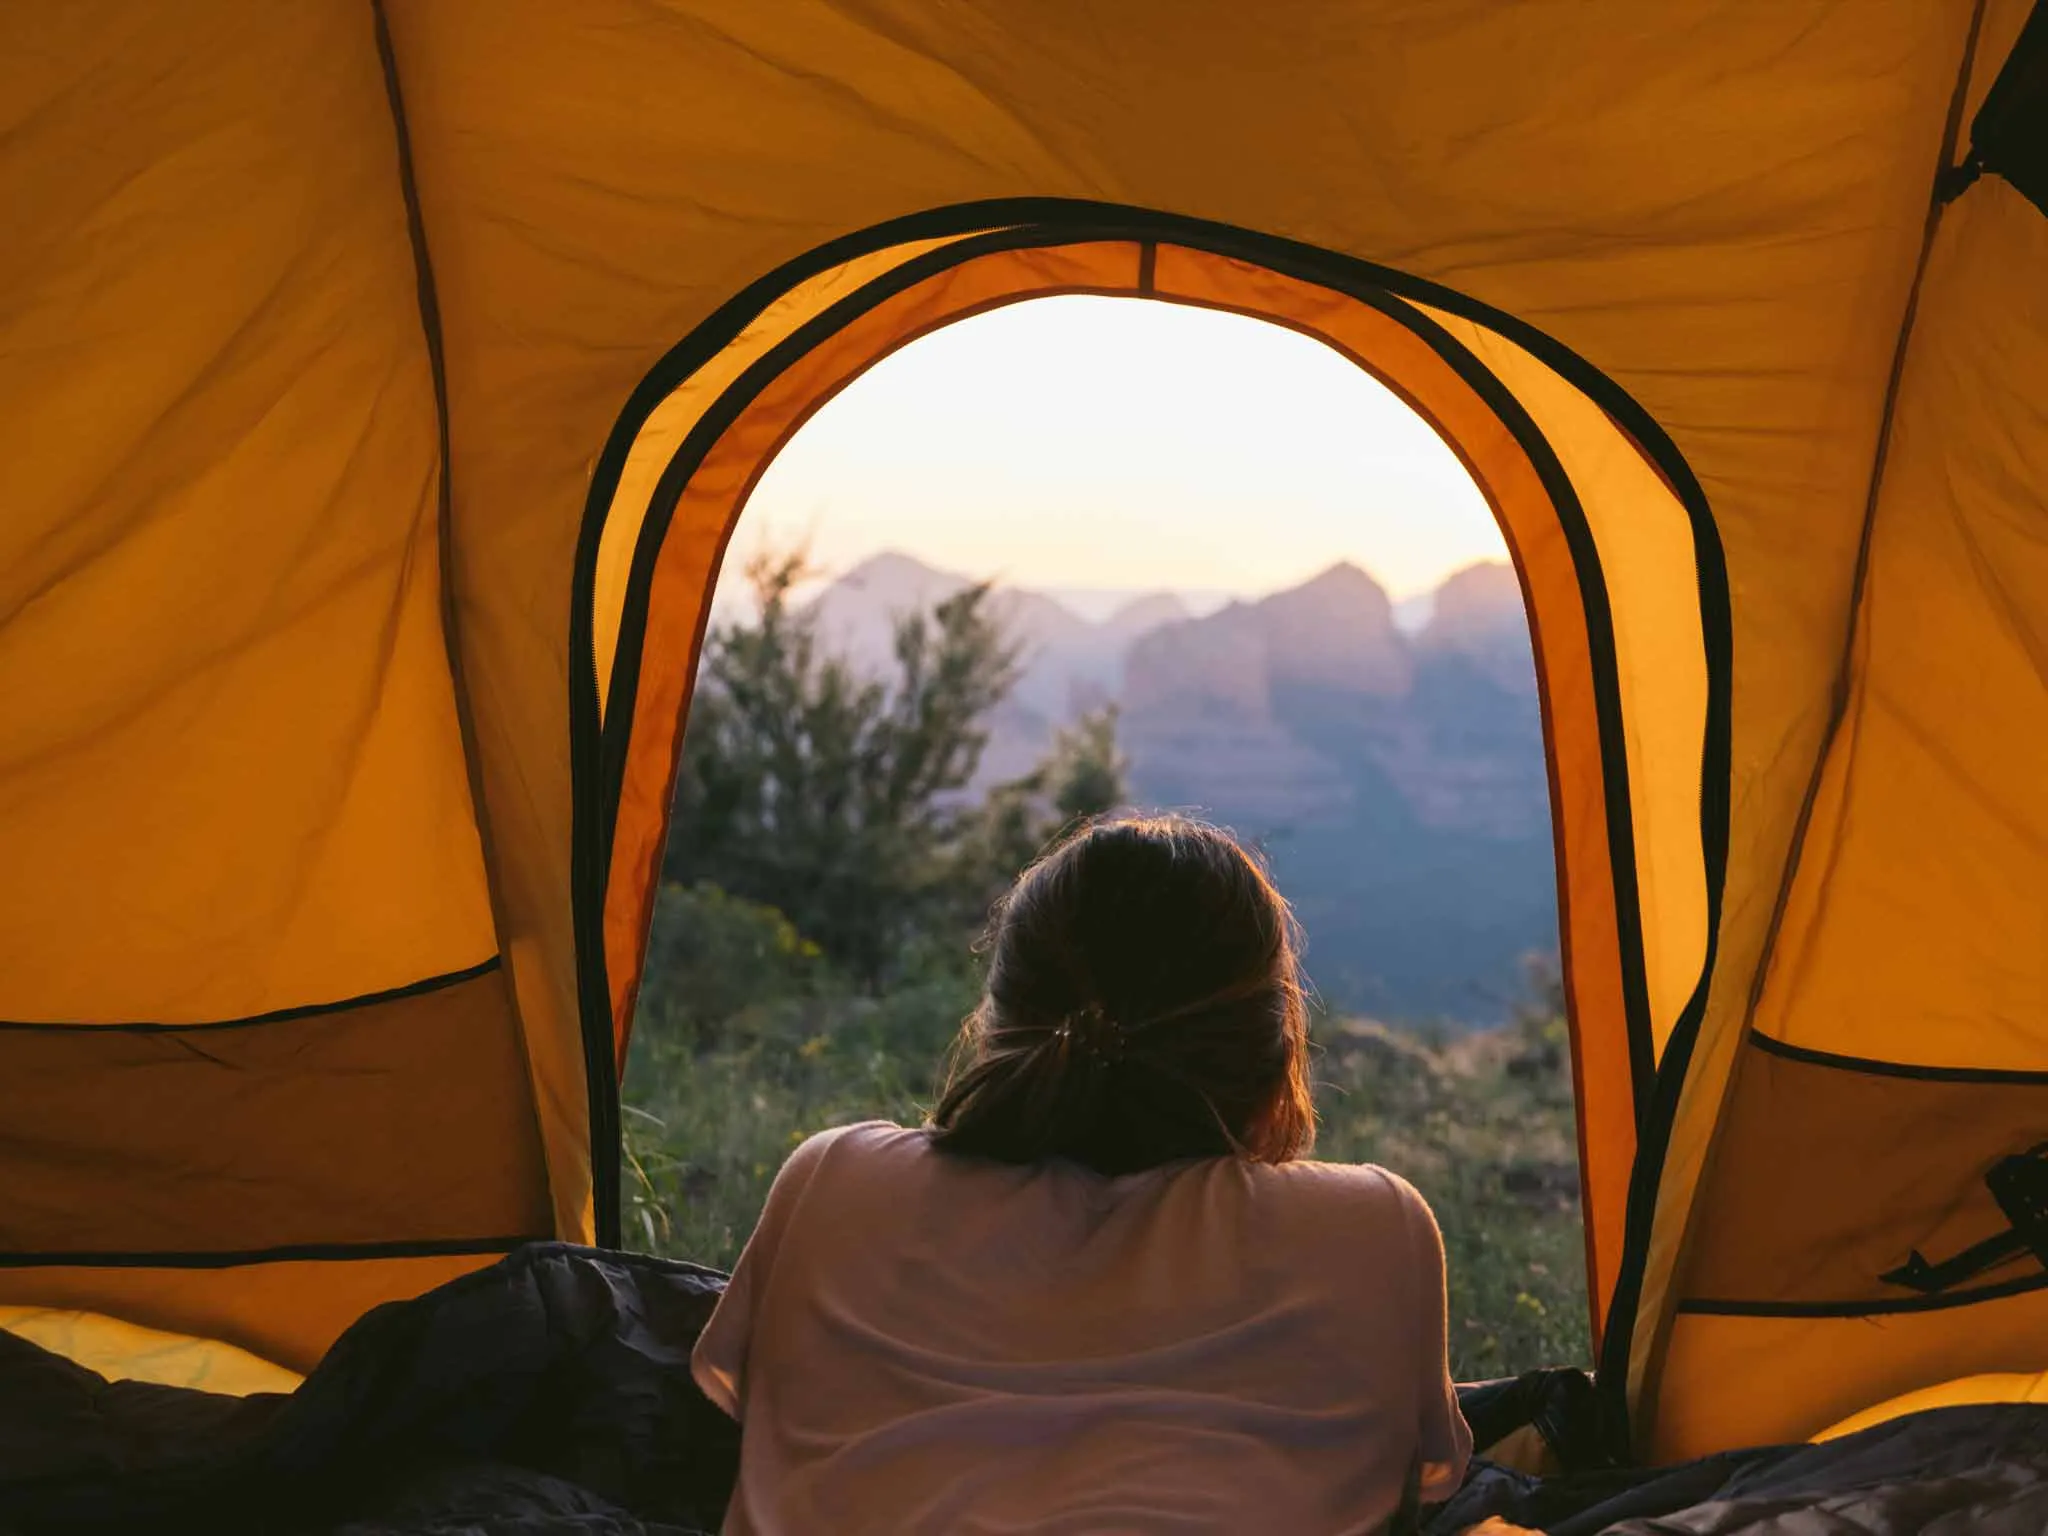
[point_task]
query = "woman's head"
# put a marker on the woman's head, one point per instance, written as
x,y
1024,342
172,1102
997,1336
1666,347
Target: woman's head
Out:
x,y
1143,1005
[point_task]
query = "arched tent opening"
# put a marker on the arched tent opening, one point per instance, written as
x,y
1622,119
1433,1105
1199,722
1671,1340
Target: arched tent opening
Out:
x,y
1611,539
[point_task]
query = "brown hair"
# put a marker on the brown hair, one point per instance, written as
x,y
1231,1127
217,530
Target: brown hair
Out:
x,y
1144,1004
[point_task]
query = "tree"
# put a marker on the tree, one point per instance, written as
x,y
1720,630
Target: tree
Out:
x,y
1085,774
712,957
838,799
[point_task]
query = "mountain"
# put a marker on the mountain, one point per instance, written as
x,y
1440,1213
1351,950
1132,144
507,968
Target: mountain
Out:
x,y
1446,717
1143,614
1337,628
1202,713
1478,613
857,613
1101,603
1411,613
1069,664
1397,785
1389,760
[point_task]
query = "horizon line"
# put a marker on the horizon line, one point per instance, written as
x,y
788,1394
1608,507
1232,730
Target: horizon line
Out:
x,y
829,576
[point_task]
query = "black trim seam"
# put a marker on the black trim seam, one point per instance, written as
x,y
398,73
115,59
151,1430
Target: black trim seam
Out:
x,y
1886,1306
1771,1046
444,528
288,1253
84,1031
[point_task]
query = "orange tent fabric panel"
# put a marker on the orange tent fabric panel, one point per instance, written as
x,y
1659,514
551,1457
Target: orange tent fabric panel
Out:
x,y
1818,1370
286,1312
233,779
127,1352
1898,1050
401,1120
233,786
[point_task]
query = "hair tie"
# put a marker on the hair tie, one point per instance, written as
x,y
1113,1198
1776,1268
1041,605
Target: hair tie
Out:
x,y
1095,1032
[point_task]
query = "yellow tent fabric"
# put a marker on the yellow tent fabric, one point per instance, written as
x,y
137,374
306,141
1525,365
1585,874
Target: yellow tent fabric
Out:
x,y
124,1352
378,383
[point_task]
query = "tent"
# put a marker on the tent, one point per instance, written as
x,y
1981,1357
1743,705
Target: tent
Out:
x,y
379,382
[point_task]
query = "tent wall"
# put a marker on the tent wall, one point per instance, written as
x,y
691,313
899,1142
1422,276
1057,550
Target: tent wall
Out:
x,y
107,1128
247,958
1669,616
284,1310
1899,1046
1892,1050
233,779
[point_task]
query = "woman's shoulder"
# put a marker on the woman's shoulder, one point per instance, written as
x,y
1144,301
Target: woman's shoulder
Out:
x,y
1354,1187
1372,1177
838,1163
862,1142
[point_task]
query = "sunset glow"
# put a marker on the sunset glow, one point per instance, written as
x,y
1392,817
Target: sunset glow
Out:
x,y
1124,443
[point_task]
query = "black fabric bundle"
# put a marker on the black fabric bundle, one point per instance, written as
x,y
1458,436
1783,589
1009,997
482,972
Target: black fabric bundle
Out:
x,y
1944,1472
548,1394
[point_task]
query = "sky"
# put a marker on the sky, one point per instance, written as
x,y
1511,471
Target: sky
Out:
x,y
1127,444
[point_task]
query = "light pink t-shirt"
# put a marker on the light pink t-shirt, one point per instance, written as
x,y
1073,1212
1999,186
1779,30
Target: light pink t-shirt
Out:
x,y
917,1342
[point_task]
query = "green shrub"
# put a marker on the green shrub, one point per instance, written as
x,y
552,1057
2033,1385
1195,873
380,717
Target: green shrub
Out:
x,y
716,962
749,1044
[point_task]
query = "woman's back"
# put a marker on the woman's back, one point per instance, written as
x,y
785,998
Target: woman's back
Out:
x,y
921,1341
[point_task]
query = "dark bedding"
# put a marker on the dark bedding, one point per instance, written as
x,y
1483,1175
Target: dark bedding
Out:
x,y
550,1393
550,1396
1946,1472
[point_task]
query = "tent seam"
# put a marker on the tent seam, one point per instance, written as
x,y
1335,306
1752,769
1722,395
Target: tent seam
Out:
x,y
430,327
420,988
1882,1306
282,1253
1843,685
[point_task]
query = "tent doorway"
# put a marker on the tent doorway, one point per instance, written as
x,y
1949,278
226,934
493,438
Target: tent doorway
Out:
x,y
1615,552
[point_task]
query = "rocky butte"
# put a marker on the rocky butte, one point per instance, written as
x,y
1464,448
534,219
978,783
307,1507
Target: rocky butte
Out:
x,y
1396,780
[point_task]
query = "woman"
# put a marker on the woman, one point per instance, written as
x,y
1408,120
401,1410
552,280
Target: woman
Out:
x,y
1100,1291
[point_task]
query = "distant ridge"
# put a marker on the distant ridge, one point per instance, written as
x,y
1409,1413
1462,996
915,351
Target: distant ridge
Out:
x,y
1388,757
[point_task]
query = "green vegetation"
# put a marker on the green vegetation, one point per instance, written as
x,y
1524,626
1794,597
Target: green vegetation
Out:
x,y
1482,1124
837,799
811,961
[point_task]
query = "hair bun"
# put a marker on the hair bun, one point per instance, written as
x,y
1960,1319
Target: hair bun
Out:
x,y
1143,1005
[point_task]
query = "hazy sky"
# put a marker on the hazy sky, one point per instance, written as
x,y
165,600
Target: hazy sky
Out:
x,y
1075,441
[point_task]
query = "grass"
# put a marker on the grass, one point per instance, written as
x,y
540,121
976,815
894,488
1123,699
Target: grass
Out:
x,y
708,1124
1481,1123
